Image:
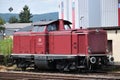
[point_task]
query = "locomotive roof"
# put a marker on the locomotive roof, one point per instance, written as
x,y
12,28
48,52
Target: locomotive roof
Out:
x,y
106,28
42,23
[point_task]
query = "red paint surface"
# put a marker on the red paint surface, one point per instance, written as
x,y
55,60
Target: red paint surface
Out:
x,y
82,44
118,16
62,10
73,18
61,24
73,14
97,42
60,42
31,43
62,15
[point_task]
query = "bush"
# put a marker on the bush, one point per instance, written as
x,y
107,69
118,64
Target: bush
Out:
x,y
6,49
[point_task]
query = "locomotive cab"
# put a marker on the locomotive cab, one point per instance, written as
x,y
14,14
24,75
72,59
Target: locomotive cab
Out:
x,y
56,25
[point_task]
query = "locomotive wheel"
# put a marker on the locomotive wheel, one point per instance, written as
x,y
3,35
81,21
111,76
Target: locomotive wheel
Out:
x,y
23,68
62,66
66,67
36,68
94,68
90,67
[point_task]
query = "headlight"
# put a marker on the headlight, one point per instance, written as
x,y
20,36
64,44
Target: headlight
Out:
x,y
89,50
107,50
93,60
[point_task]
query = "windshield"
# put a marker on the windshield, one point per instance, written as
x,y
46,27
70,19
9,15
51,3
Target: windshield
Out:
x,y
38,29
52,27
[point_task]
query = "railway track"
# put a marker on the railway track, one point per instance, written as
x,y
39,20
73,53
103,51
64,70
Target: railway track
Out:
x,y
11,75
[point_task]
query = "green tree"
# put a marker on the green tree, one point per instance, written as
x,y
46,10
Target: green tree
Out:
x,y
1,21
13,19
2,28
25,15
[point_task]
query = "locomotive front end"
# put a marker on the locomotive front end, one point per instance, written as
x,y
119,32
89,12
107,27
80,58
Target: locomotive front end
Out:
x,y
97,49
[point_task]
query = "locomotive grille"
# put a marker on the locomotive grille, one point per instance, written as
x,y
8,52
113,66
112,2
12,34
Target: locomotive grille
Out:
x,y
97,43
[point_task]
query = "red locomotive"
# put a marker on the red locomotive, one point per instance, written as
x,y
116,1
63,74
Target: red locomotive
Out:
x,y
54,45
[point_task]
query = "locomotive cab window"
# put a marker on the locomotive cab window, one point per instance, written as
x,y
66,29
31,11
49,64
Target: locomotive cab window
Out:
x,y
38,29
52,27
67,27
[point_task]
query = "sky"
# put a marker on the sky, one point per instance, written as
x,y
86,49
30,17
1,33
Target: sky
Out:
x,y
35,6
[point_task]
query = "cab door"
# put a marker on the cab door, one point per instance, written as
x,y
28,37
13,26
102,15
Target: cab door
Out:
x,y
51,42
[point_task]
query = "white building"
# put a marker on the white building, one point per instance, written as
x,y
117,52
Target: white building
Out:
x,y
89,13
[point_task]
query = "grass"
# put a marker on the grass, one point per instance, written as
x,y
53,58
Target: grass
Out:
x,y
6,47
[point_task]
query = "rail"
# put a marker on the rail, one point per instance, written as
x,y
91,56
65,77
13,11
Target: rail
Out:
x,y
13,75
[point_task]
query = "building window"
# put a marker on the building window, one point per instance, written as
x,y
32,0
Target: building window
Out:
x,y
110,46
